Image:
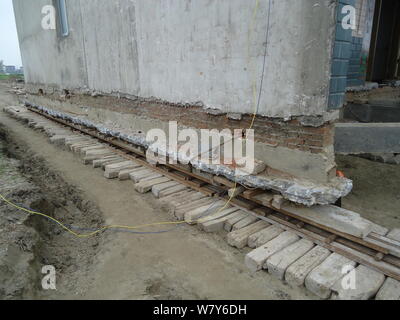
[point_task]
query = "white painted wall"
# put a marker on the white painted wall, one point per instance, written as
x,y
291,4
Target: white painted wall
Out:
x,y
188,51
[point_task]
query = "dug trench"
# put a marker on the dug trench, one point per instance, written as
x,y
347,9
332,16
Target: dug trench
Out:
x,y
182,264
30,242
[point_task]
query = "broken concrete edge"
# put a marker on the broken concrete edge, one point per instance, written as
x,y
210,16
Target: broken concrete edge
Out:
x,y
366,87
303,192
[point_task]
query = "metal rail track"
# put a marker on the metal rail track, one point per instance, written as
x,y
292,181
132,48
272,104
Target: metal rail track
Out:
x,y
372,251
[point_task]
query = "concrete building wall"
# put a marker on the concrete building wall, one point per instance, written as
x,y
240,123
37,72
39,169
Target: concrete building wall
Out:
x,y
188,51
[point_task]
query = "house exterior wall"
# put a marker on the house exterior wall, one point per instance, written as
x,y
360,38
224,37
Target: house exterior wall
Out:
x,y
205,52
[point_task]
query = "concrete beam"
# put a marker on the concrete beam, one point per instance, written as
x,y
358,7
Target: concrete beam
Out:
x,y
357,138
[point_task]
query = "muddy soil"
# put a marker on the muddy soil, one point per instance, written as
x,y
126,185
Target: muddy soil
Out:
x,y
376,191
28,242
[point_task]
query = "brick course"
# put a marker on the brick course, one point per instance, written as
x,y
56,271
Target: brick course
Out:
x,y
271,131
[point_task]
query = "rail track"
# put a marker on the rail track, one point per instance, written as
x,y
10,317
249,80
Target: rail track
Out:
x,y
375,251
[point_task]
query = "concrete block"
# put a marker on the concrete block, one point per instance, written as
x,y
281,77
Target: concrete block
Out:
x,y
103,164
73,146
244,222
263,236
216,216
184,197
112,170
334,217
94,155
84,150
218,224
192,216
356,138
367,284
180,211
58,139
297,272
159,187
389,291
149,176
322,278
280,261
145,186
228,226
394,234
77,148
255,259
239,238
137,175
172,190
125,174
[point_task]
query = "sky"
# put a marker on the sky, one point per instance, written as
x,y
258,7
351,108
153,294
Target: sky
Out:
x,y
9,47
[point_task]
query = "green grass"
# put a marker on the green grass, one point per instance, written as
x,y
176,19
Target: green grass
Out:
x,y
11,76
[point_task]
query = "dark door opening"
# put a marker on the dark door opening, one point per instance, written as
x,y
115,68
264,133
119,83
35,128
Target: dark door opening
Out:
x,y
384,57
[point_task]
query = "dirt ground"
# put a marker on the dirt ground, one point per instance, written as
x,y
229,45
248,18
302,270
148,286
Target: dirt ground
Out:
x,y
182,264
376,192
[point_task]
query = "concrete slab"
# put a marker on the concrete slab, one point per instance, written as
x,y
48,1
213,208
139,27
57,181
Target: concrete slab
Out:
x,y
218,224
367,284
297,272
389,291
192,216
263,236
145,186
158,188
255,259
244,222
323,277
239,238
356,138
280,261
334,217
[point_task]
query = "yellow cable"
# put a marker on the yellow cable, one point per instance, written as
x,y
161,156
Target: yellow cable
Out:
x,y
101,229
